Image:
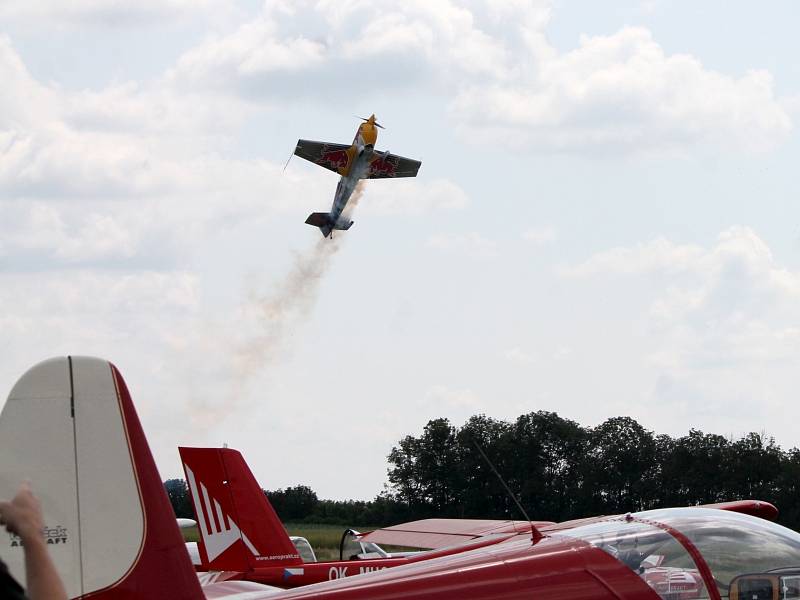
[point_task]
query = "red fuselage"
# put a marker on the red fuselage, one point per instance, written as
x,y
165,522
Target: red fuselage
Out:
x,y
554,568
308,573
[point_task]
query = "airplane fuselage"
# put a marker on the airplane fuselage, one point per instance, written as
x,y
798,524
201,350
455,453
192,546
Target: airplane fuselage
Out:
x,y
347,183
361,154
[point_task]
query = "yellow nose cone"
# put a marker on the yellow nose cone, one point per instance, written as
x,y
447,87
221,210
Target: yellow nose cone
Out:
x,y
369,133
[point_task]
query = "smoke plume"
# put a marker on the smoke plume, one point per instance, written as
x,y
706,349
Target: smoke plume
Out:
x,y
266,322
290,301
354,199
276,314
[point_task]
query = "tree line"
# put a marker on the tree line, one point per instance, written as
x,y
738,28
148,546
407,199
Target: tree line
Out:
x,y
558,470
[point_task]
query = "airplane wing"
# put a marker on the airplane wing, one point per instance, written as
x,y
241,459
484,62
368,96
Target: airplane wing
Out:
x,y
334,157
391,165
439,533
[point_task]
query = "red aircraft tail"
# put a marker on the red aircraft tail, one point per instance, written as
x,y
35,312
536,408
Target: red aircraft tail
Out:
x,y
69,426
239,529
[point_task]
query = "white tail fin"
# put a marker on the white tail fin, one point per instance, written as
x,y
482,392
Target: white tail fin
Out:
x,y
70,427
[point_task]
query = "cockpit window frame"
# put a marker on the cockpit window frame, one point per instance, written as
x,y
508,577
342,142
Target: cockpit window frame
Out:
x,y
719,545
688,545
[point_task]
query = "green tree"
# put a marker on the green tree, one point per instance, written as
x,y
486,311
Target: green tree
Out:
x,y
620,471
756,467
293,503
178,493
696,469
546,457
788,493
425,470
480,494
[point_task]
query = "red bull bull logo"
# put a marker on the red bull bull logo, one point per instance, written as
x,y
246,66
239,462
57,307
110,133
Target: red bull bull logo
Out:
x,y
336,159
382,167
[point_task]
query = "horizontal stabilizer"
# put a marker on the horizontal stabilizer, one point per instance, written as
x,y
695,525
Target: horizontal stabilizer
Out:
x,y
326,224
343,225
319,219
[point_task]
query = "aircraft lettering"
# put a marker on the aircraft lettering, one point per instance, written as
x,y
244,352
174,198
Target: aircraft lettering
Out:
x,y
337,572
57,540
362,570
52,535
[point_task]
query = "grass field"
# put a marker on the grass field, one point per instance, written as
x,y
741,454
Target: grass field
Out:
x,y
324,539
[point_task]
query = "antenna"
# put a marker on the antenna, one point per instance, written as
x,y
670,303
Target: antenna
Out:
x,y
287,161
536,535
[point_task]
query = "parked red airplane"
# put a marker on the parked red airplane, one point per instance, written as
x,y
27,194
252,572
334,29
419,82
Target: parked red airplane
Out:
x,y
69,425
255,546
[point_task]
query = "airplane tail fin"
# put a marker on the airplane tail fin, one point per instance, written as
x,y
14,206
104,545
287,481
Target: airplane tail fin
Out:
x,y
326,224
69,426
238,527
321,220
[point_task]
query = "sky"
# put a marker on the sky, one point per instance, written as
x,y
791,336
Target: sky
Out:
x,y
605,223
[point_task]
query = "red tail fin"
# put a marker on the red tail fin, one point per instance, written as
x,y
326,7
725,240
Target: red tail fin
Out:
x,y
69,425
238,527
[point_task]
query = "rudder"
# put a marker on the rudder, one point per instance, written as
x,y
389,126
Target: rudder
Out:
x,y
319,219
239,529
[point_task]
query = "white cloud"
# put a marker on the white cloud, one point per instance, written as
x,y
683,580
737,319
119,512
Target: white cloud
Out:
x,y
649,6
88,311
541,236
450,400
657,255
620,92
691,335
471,244
724,323
623,93
119,173
519,356
313,49
43,229
562,352
255,50
411,196
114,13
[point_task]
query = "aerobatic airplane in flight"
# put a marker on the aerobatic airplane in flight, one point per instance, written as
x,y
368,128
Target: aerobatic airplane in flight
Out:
x,y
69,425
355,162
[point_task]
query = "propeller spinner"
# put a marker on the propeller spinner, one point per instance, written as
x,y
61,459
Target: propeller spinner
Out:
x,y
374,122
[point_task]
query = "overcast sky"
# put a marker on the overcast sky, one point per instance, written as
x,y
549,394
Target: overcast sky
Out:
x,y
606,221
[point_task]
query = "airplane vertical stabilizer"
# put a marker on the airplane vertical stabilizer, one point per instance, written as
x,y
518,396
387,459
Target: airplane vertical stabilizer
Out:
x,y
69,426
321,220
238,527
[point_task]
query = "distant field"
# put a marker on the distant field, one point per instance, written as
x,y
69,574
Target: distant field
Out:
x,y
190,534
324,539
